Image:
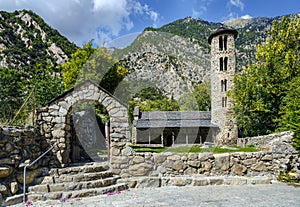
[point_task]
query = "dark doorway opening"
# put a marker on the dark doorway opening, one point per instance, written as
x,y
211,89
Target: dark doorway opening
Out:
x,y
88,141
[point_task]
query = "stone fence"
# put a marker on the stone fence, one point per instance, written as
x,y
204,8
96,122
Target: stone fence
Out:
x,y
277,143
277,156
208,164
18,147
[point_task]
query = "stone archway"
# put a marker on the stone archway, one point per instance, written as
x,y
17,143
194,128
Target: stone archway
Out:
x,y
55,125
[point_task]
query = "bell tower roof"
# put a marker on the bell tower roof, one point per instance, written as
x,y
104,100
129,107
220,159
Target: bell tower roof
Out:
x,y
222,30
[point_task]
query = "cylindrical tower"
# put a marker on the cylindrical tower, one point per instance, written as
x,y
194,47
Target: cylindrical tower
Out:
x,y
222,74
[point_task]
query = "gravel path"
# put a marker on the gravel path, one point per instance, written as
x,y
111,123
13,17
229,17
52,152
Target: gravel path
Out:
x,y
204,196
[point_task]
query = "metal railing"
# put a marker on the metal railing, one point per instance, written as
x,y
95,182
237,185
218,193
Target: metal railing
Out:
x,y
29,165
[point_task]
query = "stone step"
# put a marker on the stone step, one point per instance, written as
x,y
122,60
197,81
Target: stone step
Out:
x,y
142,182
76,193
86,168
71,186
75,177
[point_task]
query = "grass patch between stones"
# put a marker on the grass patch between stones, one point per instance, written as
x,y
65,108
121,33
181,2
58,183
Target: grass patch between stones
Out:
x,y
195,149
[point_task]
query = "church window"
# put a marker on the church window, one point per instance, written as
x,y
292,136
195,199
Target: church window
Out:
x,y
225,63
221,64
225,42
220,43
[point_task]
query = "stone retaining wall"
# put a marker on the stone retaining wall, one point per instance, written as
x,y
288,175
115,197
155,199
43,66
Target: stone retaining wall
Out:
x,y
208,164
277,143
18,147
277,156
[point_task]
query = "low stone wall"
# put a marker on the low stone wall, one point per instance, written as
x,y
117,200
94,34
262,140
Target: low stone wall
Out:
x,y
208,164
18,147
276,143
277,156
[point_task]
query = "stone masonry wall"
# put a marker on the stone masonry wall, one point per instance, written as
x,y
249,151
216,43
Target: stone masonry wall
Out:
x,y
208,164
54,119
18,147
277,143
276,158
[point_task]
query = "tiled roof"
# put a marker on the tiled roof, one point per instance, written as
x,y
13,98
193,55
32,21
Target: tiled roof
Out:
x,y
174,119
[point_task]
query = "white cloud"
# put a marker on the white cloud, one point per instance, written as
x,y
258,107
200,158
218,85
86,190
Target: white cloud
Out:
x,y
237,3
82,20
202,8
247,16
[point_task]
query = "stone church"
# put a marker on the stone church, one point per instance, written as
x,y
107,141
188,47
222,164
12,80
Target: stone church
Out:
x,y
169,128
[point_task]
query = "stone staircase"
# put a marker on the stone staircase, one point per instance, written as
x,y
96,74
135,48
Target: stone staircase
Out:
x,y
90,179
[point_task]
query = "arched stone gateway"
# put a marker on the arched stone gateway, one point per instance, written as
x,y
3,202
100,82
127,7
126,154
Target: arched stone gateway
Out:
x,y
54,119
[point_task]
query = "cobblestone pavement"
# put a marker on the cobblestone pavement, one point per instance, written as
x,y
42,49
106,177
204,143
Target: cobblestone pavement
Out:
x,y
275,195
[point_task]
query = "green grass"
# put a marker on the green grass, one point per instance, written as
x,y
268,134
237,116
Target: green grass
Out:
x,y
194,149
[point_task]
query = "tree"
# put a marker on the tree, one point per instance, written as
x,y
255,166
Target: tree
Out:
x,y
11,93
260,89
290,111
71,69
95,64
152,99
45,82
198,99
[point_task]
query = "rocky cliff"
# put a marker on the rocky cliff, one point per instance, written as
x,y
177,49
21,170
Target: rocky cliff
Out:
x,y
26,40
177,55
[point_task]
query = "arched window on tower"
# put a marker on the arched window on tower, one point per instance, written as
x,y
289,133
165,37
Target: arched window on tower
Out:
x,y
225,42
220,43
225,63
223,85
221,64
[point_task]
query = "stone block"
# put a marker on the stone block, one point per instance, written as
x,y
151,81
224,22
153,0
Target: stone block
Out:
x,y
206,166
14,187
239,169
138,159
194,163
259,180
267,158
190,171
39,189
215,181
174,157
4,190
57,187
222,161
141,169
119,160
178,181
30,176
235,181
159,158
200,182
5,171
127,151
161,169
205,156
249,161
7,161
260,167
149,183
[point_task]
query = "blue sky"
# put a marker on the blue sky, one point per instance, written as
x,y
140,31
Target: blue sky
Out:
x,y
115,21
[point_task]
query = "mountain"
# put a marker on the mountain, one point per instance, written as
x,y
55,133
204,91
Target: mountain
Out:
x,y
30,51
26,40
177,55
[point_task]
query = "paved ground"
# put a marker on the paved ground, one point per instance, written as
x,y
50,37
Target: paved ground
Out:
x,y
275,195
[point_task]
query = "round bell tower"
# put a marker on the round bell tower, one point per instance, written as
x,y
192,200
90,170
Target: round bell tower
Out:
x,y
223,61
